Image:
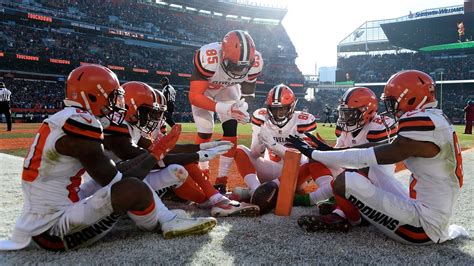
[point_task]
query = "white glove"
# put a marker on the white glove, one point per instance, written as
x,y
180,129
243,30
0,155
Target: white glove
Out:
x,y
237,110
212,144
271,144
209,154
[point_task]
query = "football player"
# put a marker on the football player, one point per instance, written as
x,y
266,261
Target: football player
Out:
x,y
359,125
428,146
70,143
145,115
271,126
224,72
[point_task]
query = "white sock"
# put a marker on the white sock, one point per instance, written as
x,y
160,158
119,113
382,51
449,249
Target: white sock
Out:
x,y
324,190
216,198
172,175
224,165
252,182
204,165
322,193
276,181
149,219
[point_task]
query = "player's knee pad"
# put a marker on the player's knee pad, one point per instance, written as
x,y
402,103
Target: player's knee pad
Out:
x,y
177,171
229,128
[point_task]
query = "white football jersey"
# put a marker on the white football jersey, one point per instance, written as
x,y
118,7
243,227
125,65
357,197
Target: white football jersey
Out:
x,y
435,182
375,131
50,180
299,123
208,63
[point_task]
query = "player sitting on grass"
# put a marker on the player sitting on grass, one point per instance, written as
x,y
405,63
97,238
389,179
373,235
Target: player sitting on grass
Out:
x,y
359,125
271,126
144,117
428,146
69,143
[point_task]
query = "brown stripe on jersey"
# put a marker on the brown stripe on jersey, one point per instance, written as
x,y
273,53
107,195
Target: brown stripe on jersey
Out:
x,y
257,121
200,68
416,124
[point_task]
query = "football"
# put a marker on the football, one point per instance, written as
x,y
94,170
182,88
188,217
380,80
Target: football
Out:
x,y
265,197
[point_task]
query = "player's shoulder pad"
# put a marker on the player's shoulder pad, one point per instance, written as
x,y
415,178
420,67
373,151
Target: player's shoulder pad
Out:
x,y
305,122
207,58
417,120
259,116
256,68
84,125
381,128
122,130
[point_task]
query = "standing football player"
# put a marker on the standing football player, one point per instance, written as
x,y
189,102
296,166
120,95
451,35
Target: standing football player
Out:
x,y
70,143
428,145
271,126
224,72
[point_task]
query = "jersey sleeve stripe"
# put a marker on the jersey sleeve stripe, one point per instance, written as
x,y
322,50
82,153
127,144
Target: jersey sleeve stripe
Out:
x,y
117,130
306,128
256,121
80,132
253,76
200,68
416,126
373,138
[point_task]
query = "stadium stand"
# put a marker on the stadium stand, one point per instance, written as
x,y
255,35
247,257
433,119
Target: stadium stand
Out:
x,y
139,40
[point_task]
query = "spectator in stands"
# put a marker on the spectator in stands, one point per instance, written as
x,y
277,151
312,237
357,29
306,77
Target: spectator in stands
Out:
x,y
469,116
5,105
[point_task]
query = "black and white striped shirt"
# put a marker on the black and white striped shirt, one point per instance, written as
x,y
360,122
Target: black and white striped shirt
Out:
x,y
170,93
5,95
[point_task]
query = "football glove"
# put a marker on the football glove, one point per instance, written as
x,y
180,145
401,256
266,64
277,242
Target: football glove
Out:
x,y
301,145
318,143
162,145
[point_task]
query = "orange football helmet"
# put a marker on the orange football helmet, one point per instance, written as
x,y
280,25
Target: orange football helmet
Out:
x,y
409,90
281,103
96,89
146,106
357,107
238,53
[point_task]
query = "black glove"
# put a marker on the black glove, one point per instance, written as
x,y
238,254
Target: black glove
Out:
x,y
301,145
319,144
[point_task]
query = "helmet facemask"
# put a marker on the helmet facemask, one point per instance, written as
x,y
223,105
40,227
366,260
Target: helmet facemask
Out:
x,y
236,70
280,114
116,110
150,117
351,119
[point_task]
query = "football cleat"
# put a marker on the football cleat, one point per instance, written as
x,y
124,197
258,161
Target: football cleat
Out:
x,y
327,206
226,207
330,222
181,225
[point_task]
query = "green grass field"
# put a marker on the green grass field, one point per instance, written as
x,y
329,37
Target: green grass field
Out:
x,y
245,132
327,133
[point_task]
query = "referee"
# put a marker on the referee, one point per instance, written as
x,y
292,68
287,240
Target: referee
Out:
x,y
170,95
5,104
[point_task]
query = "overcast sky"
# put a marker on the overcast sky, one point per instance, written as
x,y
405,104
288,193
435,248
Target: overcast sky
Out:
x,y
317,26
